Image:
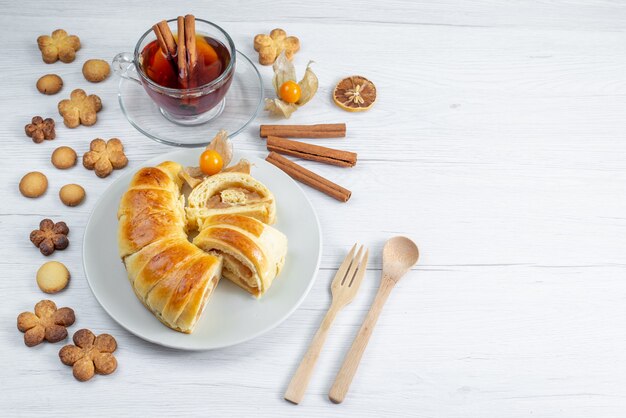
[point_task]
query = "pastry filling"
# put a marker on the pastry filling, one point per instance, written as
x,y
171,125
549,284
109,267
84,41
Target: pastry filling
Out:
x,y
205,297
233,196
237,268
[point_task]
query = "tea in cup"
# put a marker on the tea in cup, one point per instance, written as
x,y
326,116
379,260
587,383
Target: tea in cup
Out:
x,y
188,90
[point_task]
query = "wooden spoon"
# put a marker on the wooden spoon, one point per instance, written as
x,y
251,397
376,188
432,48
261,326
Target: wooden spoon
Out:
x,y
399,255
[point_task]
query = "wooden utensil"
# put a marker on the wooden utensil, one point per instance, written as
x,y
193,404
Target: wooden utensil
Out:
x,y
344,287
399,255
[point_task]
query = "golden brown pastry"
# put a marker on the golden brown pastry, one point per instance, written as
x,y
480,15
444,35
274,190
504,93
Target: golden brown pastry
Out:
x,y
169,275
230,193
151,209
253,252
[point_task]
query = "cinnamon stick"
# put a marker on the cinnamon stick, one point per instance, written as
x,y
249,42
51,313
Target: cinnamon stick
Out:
x,y
309,178
161,41
166,42
190,44
183,71
192,57
325,130
165,38
311,152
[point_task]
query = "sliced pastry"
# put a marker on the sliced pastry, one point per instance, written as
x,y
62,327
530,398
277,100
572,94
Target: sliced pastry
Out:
x,y
253,253
230,193
151,209
174,279
170,276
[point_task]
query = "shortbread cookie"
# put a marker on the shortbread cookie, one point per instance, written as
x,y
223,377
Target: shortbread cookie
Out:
x,y
52,277
39,129
63,158
58,46
72,194
33,184
49,84
46,323
90,355
270,46
105,156
80,109
96,70
50,236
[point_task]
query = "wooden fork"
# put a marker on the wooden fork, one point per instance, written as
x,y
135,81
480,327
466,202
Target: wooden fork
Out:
x,y
344,287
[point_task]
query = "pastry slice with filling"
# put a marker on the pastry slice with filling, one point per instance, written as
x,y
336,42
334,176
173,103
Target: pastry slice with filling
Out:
x,y
253,253
173,278
179,299
230,193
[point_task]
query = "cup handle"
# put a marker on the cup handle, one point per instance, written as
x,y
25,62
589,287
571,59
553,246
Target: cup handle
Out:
x,y
122,64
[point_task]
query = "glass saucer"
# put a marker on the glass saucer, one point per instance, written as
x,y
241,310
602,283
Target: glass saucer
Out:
x,y
240,106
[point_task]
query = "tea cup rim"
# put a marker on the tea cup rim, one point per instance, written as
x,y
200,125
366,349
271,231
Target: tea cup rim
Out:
x,y
225,73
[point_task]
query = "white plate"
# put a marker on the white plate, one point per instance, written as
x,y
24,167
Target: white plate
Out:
x,y
232,316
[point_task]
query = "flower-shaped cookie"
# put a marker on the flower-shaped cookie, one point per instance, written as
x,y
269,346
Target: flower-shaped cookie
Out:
x,y
58,46
40,129
270,46
80,109
105,156
89,354
47,323
50,236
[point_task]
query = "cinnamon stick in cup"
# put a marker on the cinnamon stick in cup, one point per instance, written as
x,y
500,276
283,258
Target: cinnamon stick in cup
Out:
x,y
324,130
311,152
308,177
182,53
165,38
192,56
166,41
190,44
187,55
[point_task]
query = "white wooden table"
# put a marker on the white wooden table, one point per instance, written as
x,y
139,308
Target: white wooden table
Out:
x,y
497,144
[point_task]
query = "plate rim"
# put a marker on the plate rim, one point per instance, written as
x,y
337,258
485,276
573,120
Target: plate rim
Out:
x,y
195,144
151,162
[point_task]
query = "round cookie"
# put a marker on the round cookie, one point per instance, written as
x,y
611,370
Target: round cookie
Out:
x,y
33,184
72,194
96,70
63,158
49,84
52,277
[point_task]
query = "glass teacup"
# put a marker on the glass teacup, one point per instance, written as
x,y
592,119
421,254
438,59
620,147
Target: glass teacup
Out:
x,y
213,74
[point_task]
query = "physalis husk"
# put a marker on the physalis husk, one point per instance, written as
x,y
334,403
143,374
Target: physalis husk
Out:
x,y
284,70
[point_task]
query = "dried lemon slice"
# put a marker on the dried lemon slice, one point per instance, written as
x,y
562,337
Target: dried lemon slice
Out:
x,y
355,94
